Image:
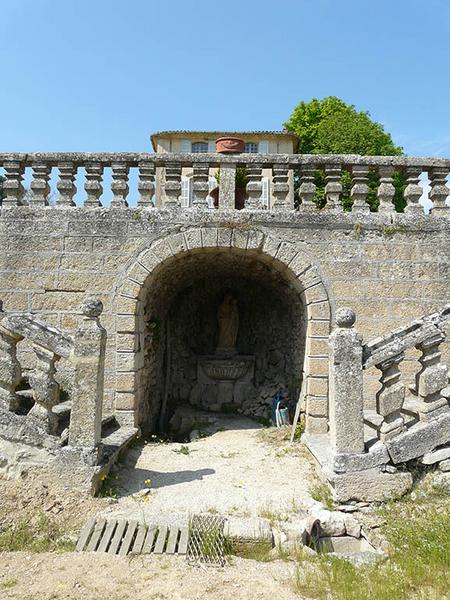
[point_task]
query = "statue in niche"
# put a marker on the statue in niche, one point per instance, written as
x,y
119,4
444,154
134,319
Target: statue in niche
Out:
x,y
228,317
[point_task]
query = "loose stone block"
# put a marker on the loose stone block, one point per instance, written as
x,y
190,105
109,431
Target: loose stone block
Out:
x,y
419,439
193,239
440,454
178,243
209,237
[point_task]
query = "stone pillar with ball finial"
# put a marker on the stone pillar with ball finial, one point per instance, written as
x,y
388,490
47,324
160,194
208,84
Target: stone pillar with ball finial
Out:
x,y
89,360
346,386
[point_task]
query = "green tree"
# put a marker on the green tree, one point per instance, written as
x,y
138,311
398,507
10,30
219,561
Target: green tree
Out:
x,y
330,126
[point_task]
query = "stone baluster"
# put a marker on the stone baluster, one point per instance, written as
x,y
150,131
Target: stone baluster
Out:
x,y
346,386
390,398
413,191
432,378
39,185
44,387
200,186
227,186
307,189
89,361
119,185
172,186
386,190
93,185
333,187
360,188
439,191
280,191
66,185
146,185
13,189
254,187
10,372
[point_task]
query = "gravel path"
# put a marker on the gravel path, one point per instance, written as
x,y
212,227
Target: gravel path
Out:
x,y
237,470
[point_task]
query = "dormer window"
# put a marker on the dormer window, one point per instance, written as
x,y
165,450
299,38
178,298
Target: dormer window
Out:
x,y
199,147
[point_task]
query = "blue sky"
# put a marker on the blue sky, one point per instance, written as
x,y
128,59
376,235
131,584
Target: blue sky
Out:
x,y
103,74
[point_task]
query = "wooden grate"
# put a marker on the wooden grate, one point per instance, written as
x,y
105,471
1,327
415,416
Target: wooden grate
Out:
x,y
122,537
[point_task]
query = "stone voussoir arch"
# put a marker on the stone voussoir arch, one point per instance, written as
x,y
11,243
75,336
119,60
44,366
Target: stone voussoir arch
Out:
x,y
285,255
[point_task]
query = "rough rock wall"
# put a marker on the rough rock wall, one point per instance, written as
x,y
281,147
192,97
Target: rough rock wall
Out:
x,y
271,328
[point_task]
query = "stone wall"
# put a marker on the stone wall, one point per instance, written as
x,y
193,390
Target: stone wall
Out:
x,y
389,268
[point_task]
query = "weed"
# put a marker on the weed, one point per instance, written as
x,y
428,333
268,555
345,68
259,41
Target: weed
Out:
x,y
357,228
391,230
299,430
322,493
35,534
109,487
182,450
8,583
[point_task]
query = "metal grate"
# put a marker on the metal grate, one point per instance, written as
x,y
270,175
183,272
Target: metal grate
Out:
x,y
122,537
206,540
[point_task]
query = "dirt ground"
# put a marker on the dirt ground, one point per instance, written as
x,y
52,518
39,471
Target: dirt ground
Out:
x,y
92,576
242,470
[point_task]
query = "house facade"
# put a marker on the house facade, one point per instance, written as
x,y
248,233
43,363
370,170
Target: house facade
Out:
x,y
203,142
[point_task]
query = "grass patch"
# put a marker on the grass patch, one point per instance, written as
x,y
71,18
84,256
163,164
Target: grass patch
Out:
x,y
322,493
8,583
36,534
418,567
260,551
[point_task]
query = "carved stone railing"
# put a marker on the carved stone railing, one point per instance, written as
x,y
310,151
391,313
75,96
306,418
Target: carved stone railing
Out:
x,y
159,180
85,350
406,425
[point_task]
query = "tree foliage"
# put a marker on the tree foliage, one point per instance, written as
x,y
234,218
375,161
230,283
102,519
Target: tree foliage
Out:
x,y
330,126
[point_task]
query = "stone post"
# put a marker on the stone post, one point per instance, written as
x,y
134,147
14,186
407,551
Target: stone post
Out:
x,y
44,386
39,186
12,186
307,189
66,184
119,185
280,187
254,187
439,190
432,379
93,185
227,186
172,185
9,367
413,191
333,187
89,361
390,398
386,190
146,185
346,386
360,188
201,187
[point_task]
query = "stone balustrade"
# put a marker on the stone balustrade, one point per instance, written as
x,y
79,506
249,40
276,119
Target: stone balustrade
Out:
x,y
86,352
407,422
149,180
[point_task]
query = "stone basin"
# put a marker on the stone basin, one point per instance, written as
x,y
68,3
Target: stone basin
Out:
x,y
225,369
